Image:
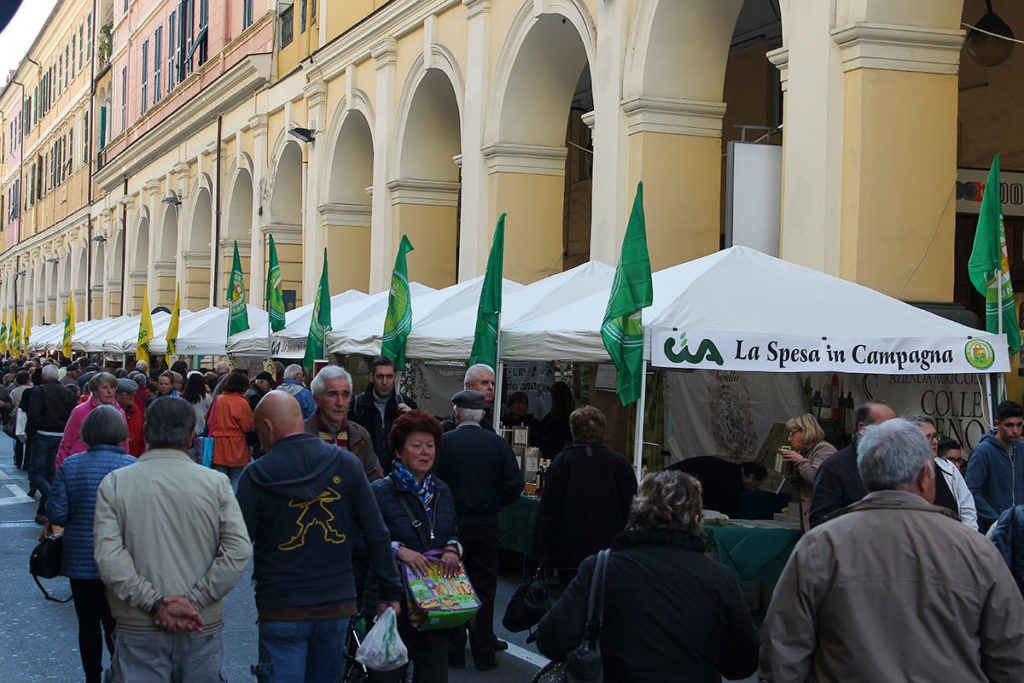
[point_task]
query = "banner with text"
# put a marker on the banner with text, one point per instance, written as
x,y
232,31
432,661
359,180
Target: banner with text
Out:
x,y
760,352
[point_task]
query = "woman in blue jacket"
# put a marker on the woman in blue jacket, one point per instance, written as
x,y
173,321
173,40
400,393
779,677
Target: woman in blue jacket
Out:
x,y
71,505
412,490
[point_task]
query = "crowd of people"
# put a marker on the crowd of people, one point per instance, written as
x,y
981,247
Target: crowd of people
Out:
x,y
335,497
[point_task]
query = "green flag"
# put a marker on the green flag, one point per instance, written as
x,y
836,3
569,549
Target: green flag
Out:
x,y
632,290
989,267
398,323
320,323
236,297
485,338
275,292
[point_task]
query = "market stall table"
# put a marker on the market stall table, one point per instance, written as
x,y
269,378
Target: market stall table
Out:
x,y
756,550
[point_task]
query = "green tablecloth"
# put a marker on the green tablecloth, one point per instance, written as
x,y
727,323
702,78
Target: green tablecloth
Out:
x,y
517,522
757,552
753,553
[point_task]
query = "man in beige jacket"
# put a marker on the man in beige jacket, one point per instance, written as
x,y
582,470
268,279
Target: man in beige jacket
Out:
x,y
894,588
170,543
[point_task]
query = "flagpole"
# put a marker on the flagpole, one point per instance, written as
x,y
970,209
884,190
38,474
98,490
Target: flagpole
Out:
x,y
499,378
638,438
267,303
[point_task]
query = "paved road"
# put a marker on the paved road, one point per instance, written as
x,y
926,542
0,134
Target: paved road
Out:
x,y
39,639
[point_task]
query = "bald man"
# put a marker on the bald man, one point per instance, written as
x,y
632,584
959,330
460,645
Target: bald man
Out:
x,y
305,503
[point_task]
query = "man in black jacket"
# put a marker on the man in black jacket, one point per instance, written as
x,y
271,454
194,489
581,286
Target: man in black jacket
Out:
x,y
377,407
303,503
484,476
49,407
838,482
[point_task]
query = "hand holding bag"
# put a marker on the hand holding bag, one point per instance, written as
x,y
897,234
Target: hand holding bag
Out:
x,y
528,605
204,444
45,561
383,649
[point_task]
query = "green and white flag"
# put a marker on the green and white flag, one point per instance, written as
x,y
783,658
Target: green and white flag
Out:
x,y
398,323
275,291
485,338
632,290
236,297
320,323
989,267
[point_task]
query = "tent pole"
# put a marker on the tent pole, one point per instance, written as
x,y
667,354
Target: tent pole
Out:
x,y
499,379
638,439
990,396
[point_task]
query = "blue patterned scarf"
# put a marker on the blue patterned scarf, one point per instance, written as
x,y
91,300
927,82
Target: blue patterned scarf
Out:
x,y
423,491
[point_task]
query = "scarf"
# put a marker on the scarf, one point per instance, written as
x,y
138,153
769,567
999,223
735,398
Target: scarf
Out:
x,y
424,491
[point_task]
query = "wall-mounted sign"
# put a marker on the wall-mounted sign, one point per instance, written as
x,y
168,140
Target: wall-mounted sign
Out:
x,y
970,188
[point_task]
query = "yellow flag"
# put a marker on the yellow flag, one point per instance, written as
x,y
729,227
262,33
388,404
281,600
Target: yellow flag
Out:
x,y
145,331
69,328
15,335
3,334
172,328
28,328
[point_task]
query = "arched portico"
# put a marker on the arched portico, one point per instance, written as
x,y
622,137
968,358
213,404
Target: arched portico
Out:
x,y
99,268
542,67
346,213
165,257
196,256
138,275
115,274
425,193
285,220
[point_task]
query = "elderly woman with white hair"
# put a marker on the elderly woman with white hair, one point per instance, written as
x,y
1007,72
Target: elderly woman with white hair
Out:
x,y
669,611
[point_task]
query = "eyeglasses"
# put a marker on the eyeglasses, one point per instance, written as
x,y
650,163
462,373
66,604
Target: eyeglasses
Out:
x,y
933,437
792,432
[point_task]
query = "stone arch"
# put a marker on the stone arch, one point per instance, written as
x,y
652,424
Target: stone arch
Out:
x,y
195,269
540,102
198,232
427,184
53,293
282,215
347,209
115,275
166,256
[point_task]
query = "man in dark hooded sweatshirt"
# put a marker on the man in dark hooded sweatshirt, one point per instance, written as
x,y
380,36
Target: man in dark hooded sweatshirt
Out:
x,y
303,503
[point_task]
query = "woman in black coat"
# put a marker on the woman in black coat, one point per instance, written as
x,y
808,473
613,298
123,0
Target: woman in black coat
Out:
x,y
414,438
670,613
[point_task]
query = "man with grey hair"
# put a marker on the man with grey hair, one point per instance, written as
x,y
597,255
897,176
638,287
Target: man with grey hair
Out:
x,y
479,377
48,408
170,543
894,586
332,392
484,476
293,384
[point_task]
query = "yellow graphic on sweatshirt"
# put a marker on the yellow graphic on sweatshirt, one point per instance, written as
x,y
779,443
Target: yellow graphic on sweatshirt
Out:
x,y
314,512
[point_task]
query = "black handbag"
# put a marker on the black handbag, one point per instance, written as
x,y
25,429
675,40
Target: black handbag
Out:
x,y
45,562
583,664
527,606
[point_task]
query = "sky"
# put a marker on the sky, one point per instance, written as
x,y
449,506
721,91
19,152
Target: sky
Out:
x,y
17,37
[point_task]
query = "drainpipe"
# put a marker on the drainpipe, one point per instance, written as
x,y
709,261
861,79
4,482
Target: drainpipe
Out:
x,y
216,221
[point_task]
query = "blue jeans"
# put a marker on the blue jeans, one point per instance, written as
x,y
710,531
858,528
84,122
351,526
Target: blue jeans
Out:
x,y
42,461
297,651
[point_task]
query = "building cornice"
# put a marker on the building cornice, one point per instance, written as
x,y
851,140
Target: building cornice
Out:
x,y
701,118
896,47
230,89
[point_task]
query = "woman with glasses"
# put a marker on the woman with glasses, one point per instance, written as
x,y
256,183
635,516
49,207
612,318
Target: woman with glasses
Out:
x,y
807,450
950,489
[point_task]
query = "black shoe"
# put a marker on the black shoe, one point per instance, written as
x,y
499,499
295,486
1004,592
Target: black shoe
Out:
x,y
32,492
500,645
487,665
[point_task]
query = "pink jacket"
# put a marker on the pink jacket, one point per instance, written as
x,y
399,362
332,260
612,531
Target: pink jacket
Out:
x,y
72,442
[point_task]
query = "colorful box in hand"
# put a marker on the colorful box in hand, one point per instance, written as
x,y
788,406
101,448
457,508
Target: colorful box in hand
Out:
x,y
438,602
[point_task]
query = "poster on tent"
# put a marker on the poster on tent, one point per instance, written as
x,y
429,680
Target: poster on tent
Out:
x,y
761,352
731,414
533,379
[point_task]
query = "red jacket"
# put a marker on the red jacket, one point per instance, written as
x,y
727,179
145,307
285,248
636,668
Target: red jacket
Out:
x,y
136,418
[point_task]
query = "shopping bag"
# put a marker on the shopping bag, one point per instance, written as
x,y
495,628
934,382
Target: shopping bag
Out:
x,y
383,649
204,450
436,601
528,605
19,425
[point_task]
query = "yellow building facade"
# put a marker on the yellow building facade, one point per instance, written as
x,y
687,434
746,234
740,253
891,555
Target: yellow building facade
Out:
x,y
343,126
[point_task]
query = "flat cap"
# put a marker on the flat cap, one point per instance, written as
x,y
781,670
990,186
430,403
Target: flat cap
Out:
x,y
474,400
265,375
127,386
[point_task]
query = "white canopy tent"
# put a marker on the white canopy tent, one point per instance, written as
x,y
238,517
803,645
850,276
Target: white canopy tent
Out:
x,y
90,338
447,333
253,342
204,333
124,338
363,335
45,338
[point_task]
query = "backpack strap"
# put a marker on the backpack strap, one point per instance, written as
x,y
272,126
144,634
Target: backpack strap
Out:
x,y
416,524
46,593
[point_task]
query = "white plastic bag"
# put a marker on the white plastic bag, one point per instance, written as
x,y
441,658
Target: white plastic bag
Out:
x,y
21,419
383,649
